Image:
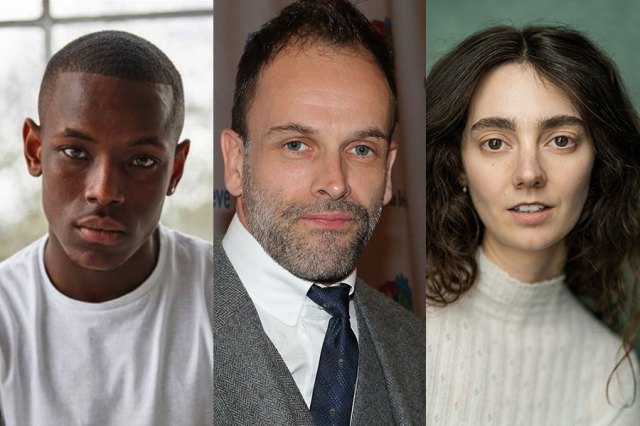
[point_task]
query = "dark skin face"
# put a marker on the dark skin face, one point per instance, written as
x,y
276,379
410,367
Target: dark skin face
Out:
x,y
107,154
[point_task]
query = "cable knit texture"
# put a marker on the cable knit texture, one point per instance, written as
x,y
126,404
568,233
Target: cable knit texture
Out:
x,y
514,353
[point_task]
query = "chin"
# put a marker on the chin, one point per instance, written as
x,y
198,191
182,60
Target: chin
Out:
x,y
536,243
98,261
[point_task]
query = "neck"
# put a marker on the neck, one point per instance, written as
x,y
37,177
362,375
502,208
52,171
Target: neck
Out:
x,y
97,286
527,266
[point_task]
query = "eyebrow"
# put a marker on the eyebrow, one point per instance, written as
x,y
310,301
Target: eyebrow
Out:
x,y
70,132
494,123
510,124
561,120
291,128
371,132
150,141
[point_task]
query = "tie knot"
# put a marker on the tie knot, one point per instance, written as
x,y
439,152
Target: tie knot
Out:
x,y
334,300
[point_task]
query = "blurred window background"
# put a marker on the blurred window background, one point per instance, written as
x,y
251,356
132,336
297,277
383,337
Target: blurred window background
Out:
x,y
32,30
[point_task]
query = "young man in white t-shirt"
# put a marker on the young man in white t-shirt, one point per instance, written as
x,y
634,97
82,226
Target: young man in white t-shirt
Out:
x,y
106,320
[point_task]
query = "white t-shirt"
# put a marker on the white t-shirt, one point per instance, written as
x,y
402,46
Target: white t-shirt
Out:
x,y
145,358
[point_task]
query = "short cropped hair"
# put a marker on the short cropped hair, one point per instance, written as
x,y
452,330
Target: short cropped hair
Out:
x,y
606,238
335,23
115,54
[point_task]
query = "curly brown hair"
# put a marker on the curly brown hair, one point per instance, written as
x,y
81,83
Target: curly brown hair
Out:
x,y
603,249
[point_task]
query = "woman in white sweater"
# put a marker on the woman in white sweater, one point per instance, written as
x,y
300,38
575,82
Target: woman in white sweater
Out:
x,y
533,171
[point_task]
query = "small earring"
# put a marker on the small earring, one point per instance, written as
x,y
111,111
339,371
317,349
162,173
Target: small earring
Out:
x,y
464,189
172,190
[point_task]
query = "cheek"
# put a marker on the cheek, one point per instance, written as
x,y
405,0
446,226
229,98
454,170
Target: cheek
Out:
x,y
576,185
488,183
283,179
59,184
483,182
367,186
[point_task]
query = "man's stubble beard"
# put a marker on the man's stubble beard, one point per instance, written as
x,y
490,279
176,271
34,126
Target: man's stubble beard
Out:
x,y
316,255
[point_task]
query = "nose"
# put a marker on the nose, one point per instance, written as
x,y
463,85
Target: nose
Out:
x,y
529,172
330,178
103,184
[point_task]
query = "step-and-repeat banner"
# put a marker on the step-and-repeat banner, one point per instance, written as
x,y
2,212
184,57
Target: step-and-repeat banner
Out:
x,y
394,260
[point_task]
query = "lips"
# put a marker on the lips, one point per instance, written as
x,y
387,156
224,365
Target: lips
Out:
x,y
529,208
329,220
531,213
100,230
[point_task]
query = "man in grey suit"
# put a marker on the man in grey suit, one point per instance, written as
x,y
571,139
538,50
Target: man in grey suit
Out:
x,y
298,339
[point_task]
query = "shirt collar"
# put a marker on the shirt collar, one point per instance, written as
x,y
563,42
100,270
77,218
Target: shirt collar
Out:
x,y
270,286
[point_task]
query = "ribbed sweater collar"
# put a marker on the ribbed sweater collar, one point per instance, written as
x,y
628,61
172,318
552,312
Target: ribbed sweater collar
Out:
x,y
501,295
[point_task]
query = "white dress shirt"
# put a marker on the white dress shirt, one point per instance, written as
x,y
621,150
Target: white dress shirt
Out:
x,y
295,324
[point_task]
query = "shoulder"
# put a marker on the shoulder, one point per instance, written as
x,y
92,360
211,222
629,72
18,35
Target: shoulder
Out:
x,y
398,340
223,268
20,278
187,247
379,303
595,333
619,375
21,266
187,259
186,241
387,319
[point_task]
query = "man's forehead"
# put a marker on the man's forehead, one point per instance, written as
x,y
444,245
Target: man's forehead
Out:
x,y
82,101
302,49
334,74
73,89
98,80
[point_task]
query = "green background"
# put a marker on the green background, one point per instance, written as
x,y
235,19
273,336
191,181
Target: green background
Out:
x,y
614,25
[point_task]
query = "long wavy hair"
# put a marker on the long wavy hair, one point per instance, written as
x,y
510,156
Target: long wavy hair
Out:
x,y
603,253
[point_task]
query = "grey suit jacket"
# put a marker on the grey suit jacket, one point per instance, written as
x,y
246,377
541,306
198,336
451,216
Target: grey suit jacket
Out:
x,y
252,384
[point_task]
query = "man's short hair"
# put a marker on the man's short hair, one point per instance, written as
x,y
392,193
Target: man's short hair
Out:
x,y
334,23
115,54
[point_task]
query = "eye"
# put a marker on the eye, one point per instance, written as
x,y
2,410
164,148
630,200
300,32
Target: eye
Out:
x,y
295,146
494,145
362,150
562,142
75,153
143,162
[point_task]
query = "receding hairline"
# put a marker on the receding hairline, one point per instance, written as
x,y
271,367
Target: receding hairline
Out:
x,y
299,45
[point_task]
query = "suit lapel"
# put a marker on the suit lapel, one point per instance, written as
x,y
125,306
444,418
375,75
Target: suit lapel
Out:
x,y
397,372
252,384
371,405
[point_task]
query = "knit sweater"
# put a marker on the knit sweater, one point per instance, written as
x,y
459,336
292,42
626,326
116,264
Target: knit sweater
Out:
x,y
514,353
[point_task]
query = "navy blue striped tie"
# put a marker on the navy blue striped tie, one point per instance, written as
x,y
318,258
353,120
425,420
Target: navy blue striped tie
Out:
x,y
338,368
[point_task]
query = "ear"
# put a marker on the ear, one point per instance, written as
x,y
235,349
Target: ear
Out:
x,y
180,157
233,154
391,158
462,180
32,146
